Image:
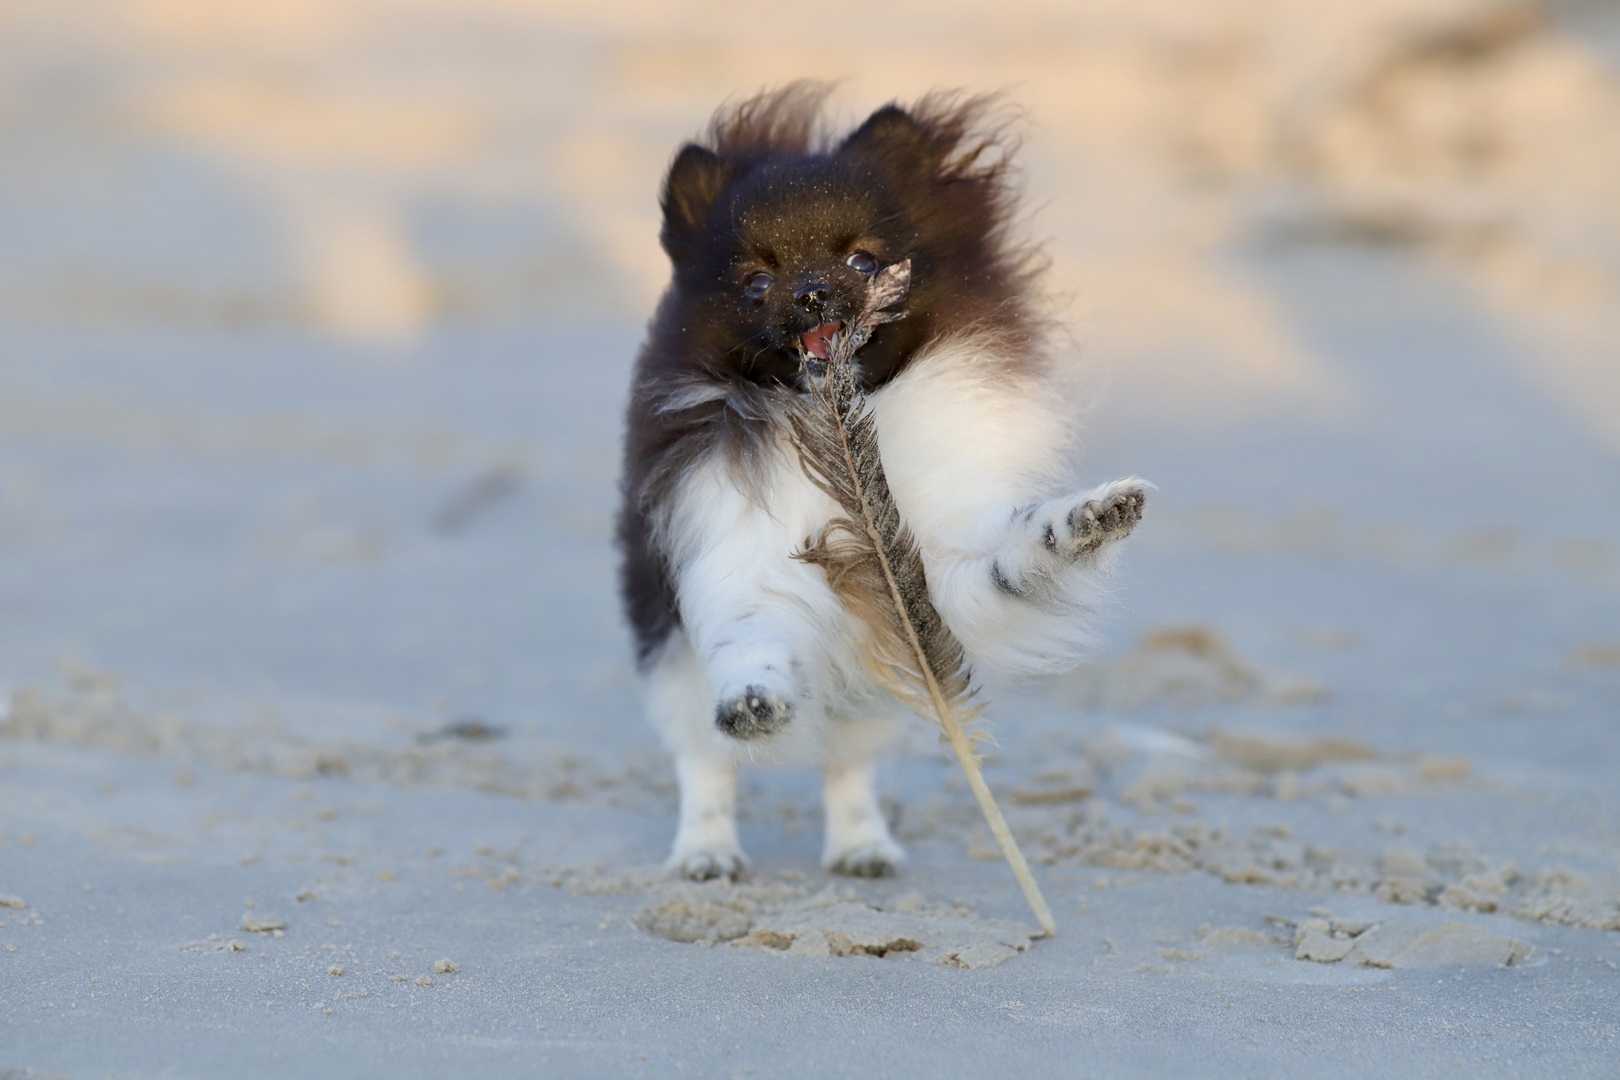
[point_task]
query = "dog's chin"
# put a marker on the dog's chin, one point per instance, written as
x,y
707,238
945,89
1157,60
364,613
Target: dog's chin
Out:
x,y
777,362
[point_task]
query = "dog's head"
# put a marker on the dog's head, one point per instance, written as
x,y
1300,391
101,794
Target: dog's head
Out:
x,y
773,242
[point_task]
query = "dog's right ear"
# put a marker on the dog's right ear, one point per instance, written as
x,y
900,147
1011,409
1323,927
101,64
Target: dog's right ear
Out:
x,y
694,182
900,142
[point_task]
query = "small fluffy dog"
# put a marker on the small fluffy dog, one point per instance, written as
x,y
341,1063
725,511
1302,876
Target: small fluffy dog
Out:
x,y
774,232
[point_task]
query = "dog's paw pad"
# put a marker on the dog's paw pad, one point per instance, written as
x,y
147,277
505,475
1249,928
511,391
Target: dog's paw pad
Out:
x,y
710,866
1103,520
874,860
755,712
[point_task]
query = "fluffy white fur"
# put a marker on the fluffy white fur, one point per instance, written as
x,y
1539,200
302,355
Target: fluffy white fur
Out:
x,y
971,450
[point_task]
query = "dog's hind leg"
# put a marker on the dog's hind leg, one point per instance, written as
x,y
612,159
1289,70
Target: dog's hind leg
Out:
x,y
680,706
857,841
706,843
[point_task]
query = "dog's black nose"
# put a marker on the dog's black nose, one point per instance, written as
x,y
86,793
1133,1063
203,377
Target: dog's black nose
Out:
x,y
812,297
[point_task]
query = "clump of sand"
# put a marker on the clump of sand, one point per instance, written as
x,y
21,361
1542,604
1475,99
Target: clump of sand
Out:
x,y
787,920
702,916
1404,945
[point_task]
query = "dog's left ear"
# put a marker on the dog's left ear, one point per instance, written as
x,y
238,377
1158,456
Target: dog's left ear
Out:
x,y
898,141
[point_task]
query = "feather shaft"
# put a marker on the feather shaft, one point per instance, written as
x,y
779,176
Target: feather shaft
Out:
x,y
875,566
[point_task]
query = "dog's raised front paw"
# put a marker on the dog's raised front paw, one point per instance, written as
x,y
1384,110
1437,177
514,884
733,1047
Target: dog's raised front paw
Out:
x,y
1105,516
755,712
707,864
873,859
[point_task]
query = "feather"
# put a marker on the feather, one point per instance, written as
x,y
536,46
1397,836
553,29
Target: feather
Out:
x,y
872,561
836,437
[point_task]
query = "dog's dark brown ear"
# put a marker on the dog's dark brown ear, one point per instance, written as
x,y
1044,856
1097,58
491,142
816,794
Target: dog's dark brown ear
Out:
x,y
694,182
900,142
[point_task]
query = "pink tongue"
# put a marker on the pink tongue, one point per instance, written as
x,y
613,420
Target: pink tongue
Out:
x,y
815,342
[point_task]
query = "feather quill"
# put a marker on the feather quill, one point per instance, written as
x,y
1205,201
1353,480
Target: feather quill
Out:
x,y
872,561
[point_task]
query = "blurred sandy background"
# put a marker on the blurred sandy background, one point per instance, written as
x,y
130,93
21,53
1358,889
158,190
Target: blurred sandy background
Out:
x,y
372,169
315,322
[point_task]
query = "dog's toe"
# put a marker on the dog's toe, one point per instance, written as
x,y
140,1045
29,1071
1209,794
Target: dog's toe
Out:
x,y
874,860
756,712
1103,520
710,866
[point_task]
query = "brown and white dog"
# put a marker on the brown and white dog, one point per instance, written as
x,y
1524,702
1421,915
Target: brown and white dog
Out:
x,y
773,231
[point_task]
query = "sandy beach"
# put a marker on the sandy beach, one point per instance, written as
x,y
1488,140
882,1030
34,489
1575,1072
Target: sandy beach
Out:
x,y
320,749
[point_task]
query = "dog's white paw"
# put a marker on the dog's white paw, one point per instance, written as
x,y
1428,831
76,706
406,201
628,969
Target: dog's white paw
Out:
x,y
756,711
708,864
1099,518
869,859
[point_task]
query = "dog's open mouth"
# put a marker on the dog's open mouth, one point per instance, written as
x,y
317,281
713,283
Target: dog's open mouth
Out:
x,y
817,340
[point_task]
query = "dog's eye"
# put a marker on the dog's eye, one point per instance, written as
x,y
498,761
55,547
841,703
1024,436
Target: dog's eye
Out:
x,y
758,286
862,263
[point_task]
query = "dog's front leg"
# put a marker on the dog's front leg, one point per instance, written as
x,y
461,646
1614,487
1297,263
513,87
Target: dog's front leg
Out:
x,y
753,670
1049,540
753,640
757,619
1023,597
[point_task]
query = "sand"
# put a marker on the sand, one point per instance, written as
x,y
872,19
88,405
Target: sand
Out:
x,y
1412,865
320,751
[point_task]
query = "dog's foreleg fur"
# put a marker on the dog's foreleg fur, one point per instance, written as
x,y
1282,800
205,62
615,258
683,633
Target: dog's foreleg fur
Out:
x,y
1025,598
1064,537
759,621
